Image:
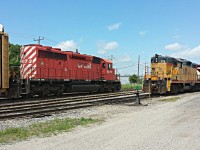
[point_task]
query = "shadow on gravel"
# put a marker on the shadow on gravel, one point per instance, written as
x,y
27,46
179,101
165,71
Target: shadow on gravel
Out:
x,y
135,104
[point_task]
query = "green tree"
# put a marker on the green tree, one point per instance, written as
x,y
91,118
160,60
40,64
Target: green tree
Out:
x,y
133,78
14,54
14,57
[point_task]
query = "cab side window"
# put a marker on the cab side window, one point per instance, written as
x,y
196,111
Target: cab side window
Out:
x,y
103,65
109,66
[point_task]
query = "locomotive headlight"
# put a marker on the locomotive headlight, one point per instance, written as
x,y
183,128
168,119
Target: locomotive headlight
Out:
x,y
1,28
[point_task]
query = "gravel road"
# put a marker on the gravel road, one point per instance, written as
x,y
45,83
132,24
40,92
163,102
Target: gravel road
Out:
x,y
160,125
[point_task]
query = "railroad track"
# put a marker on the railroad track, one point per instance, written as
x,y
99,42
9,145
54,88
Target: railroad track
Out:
x,y
40,108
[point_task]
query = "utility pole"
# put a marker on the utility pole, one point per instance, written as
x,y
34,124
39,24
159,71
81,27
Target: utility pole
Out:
x,y
138,67
112,57
145,71
137,87
137,102
39,39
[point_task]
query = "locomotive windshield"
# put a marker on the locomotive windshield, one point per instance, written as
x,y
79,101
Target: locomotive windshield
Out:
x,y
187,63
158,59
161,59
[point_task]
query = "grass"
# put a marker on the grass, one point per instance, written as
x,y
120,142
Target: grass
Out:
x,y
172,99
43,129
126,87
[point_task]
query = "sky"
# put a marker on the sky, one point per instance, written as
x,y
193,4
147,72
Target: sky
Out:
x,y
121,30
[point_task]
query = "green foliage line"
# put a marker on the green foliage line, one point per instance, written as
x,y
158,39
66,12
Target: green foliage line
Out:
x,y
14,54
125,87
135,79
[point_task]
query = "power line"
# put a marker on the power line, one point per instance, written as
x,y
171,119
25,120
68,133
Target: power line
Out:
x,y
111,57
131,66
39,39
47,42
50,40
127,66
22,35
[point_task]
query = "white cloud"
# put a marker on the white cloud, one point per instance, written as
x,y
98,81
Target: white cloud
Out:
x,y
69,45
110,45
114,26
143,33
103,47
188,53
174,46
101,51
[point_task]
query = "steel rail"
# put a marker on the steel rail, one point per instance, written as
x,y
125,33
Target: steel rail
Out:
x,y
48,109
60,99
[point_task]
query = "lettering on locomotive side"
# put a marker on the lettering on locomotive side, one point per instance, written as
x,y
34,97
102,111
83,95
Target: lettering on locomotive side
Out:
x,y
27,61
109,71
84,65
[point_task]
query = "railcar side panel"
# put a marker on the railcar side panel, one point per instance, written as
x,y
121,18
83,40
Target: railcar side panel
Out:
x,y
4,64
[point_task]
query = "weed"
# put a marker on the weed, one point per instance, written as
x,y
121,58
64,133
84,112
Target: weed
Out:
x,y
43,129
172,99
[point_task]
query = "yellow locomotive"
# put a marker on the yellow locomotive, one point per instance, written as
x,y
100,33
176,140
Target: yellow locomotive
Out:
x,y
171,75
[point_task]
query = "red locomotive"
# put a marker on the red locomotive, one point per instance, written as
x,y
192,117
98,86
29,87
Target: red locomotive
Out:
x,y
45,70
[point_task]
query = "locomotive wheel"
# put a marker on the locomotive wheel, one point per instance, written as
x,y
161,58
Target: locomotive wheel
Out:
x,y
47,93
59,92
174,89
30,95
41,94
26,96
113,89
102,89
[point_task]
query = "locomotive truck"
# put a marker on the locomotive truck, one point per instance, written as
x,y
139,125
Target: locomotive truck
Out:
x,y
45,71
171,75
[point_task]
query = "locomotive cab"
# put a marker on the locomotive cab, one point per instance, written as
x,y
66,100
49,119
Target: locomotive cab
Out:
x,y
163,70
107,72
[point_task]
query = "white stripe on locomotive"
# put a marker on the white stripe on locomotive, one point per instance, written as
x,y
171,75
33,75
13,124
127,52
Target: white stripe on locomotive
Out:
x,y
31,70
29,51
29,67
26,66
33,74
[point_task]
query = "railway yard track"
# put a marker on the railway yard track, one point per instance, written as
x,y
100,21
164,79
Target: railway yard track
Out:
x,y
47,107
